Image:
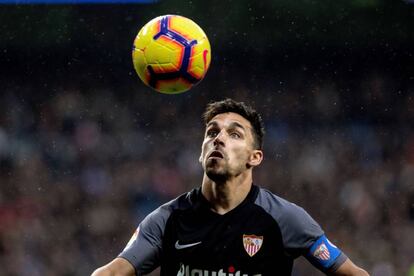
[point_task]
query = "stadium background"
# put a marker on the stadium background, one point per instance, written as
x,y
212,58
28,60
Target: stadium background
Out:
x,y
86,150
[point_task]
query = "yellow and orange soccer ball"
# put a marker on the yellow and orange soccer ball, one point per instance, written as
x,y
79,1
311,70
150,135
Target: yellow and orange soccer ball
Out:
x,y
171,54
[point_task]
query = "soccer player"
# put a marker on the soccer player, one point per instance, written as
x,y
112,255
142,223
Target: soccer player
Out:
x,y
229,226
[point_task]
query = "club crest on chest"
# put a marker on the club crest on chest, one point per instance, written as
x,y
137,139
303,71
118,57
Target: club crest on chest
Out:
x,y
252,244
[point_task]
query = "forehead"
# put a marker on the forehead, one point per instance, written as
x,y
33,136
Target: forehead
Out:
x,y
230,118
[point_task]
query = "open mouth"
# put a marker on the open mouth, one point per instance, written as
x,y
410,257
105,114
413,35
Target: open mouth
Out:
x,y
216,155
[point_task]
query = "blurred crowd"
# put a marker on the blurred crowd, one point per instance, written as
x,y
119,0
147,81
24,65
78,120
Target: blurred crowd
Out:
x,y
80,166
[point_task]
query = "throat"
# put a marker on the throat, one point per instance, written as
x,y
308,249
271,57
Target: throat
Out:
x,y
224,197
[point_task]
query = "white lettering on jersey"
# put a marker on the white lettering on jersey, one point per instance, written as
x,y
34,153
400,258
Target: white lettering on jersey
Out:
x,y
185,270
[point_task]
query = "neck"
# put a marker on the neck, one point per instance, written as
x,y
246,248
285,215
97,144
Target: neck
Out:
x,y
227,195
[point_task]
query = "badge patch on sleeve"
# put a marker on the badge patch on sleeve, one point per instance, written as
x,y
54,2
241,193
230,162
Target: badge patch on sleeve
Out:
x,y
323,252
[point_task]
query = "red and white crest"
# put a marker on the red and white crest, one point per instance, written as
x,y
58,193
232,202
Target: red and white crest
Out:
x,y
322,252
252,244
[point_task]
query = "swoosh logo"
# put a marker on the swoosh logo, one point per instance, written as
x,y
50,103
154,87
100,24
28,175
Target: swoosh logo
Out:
x,y
182,246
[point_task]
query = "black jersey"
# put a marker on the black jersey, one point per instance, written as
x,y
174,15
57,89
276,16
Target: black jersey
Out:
x,y
261,236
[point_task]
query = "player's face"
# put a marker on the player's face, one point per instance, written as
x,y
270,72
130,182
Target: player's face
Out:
x,y
227,149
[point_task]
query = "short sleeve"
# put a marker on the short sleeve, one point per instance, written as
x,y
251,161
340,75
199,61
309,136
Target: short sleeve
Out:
x,y
144,248
298,229
324,255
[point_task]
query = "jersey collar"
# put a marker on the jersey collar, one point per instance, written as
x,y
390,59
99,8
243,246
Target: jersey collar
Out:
x,y
250,198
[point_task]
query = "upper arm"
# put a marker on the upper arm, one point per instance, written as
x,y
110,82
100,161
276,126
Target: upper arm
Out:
x,y
118,267
143,251
348,268
298,229
325,255
302,235
331,260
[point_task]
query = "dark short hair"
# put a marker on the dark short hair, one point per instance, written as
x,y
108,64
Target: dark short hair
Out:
x,y
244,110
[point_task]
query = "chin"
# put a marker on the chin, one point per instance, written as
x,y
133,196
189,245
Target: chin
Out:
x,y
216,174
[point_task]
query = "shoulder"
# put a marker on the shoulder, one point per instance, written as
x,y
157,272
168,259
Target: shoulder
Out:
x,y
279,208
143,250
162,213
298,228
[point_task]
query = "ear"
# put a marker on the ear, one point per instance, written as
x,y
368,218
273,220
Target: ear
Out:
x,y
200,159
256,158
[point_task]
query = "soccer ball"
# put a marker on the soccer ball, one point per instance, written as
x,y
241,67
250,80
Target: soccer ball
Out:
x,y
171,54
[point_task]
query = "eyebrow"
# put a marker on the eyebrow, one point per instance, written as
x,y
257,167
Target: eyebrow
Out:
x,y
232,125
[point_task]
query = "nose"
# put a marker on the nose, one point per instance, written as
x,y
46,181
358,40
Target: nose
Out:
x,y
219,139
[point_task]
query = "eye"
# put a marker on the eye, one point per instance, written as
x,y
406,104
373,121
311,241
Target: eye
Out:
x,y
211,133
235,135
